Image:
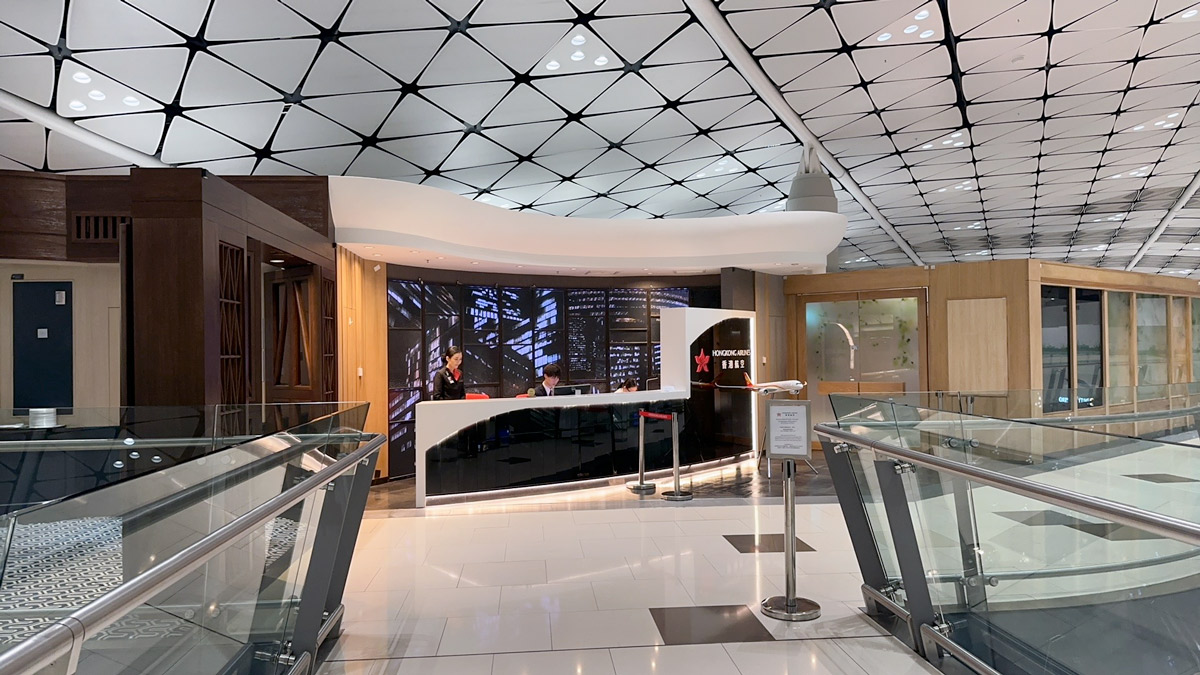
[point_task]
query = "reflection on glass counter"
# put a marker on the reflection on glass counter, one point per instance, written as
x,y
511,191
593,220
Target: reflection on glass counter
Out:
x,y
553,445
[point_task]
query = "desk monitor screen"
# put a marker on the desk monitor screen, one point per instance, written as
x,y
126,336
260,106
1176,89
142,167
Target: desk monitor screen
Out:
x,y
572,389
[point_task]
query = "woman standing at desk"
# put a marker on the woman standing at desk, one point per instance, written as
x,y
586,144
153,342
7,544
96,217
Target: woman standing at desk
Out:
x,y
447,383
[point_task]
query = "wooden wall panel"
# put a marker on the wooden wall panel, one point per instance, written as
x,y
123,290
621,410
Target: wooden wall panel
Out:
x,y
33,217
302,198
977,351
362,339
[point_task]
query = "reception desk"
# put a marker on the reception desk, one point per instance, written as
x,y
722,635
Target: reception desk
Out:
x,y
495,447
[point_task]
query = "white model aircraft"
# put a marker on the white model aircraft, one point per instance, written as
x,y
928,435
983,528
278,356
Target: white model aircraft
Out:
x,y
763,388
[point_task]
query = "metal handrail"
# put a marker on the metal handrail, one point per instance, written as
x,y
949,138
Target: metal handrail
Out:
x,y
1156,523
66,636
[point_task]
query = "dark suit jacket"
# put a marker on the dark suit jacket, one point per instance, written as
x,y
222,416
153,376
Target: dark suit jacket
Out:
x,y
540,390
446,388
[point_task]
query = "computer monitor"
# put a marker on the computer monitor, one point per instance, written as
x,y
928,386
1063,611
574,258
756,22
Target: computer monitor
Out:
x,y
573,389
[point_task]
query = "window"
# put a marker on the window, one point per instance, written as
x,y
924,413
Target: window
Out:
x,y
1151,344
1120,379
1089,348
1056,348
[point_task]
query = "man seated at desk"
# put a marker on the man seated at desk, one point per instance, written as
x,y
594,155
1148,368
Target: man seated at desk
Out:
x,y
551,374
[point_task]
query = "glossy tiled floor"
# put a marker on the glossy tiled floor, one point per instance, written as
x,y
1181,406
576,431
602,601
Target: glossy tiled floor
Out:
x,y
625,588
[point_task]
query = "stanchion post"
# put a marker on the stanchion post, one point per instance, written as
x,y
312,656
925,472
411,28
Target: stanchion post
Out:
x,y
678,494
788,607
641,487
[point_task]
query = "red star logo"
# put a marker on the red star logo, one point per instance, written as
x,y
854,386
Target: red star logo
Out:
x,y
702,362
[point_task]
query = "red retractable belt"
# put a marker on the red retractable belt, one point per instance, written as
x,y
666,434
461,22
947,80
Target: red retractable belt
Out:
x,y
654,416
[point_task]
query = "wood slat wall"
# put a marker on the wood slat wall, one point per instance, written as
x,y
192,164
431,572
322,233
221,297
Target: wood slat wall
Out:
x,y
362,340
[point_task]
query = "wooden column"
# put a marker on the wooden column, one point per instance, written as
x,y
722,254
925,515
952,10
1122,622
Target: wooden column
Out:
x,y
172,307
362,340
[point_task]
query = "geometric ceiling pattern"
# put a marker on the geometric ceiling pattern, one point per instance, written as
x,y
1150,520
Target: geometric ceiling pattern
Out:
x,y
1062,130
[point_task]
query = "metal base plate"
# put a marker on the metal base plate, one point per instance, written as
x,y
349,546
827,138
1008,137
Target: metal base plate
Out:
x,y
803,609
641,488
673,496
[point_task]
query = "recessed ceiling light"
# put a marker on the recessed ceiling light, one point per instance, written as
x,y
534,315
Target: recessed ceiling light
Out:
x,y
131,101
1168,125
956,134
578,56
1160,123
552,65
912,29
1172,116
958,144
942,190
921,15
441,257
884,37
96,95
1190,13
377,255
1139,127
77,105
81,77
601,61
947,142
578,40
276,261
926,34
927,146
368,247
473,262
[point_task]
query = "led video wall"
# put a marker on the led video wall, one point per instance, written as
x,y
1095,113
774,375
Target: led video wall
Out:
x,y
507,334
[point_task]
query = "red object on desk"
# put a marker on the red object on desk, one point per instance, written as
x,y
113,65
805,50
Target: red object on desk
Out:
x,y
472,396
521,396
653,416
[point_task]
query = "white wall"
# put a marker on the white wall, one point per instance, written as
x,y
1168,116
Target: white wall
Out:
x,y
96,324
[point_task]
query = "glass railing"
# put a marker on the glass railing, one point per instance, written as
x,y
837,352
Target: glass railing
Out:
x,y
81,449
1160,411
241,601
1032,549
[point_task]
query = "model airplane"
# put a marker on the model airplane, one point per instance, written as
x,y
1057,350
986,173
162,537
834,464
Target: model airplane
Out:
x,y
763,388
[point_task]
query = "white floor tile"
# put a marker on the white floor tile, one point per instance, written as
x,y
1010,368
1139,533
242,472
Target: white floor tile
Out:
x,y
606,628
642,593
494,634
376,606
648,529
885,655
680,566
547,598
587,569
587,662
674,660
719,527
577,531
729,590
544,550
605,516
503,573
794,657
675,512
629,547
423,576
450,554
333,667
732,563
826,562
438,602
407,636
438,665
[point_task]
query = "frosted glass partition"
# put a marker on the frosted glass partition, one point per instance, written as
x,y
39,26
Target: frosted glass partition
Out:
x,y
1151,341
1120,379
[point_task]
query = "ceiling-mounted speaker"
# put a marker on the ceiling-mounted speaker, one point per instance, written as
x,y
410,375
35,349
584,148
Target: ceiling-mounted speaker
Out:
x,y
812,192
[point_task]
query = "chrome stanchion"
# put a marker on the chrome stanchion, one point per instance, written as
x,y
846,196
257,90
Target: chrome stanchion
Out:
x,y
788,607
641,487
676,495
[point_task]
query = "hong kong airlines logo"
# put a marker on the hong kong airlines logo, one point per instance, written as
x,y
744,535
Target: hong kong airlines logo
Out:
x,y
702,362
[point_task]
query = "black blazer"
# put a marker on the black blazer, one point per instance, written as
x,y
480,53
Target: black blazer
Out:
x,y
446,388
540,390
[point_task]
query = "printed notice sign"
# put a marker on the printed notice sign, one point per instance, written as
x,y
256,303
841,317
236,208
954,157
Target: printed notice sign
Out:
x,y
789,430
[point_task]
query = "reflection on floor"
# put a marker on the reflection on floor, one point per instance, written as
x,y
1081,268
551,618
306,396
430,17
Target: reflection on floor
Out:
x,y
740,480
616,587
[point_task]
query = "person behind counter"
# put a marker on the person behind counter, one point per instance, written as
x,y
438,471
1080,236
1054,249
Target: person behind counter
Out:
x,y
447,383
628,386
551,374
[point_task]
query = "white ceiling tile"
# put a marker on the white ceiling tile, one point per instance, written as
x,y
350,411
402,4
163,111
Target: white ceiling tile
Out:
x,y
109,24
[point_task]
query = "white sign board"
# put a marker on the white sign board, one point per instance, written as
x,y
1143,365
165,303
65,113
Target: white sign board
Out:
x,y
789,428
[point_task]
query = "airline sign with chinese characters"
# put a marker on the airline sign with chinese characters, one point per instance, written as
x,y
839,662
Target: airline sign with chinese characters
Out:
x,y
721,355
